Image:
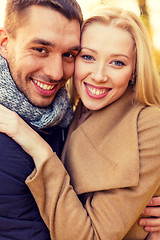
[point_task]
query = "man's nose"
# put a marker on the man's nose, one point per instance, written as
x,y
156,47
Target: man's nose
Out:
x,y
54,68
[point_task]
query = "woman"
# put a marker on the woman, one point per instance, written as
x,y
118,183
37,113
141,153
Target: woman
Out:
x,y
112,151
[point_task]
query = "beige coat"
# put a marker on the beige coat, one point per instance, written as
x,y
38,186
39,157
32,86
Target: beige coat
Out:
x,y
113,159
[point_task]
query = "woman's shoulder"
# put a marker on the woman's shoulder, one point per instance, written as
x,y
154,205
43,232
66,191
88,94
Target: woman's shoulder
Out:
x,y
149,117
150,112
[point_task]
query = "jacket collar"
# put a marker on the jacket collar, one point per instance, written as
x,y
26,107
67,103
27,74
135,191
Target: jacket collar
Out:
x,y
103,151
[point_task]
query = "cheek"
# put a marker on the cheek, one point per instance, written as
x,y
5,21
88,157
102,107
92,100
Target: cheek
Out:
x,y
68,70
79,72
123,80
77,80
25,67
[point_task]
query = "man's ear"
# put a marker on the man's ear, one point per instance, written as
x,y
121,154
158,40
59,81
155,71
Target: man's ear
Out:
x,y
3,42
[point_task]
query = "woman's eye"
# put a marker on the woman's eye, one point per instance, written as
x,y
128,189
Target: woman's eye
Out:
x,y
118,63
87,57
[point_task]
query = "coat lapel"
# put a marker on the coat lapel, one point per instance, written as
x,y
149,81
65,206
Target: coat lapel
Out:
x,y
103,151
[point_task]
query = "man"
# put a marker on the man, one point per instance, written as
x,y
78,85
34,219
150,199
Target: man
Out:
x,y
38,46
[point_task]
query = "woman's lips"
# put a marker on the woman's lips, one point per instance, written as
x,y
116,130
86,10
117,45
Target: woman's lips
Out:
x,y
96,92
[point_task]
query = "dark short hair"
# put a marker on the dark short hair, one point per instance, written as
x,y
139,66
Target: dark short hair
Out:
x,y
15,11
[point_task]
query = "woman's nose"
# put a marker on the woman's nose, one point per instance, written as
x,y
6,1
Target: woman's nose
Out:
x,y
99,74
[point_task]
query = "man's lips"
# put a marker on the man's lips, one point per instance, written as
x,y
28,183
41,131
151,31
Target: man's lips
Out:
x,y
46,89
44,86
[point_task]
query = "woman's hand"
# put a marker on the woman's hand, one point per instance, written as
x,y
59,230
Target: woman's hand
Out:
x,y
16,128
153,236
152,210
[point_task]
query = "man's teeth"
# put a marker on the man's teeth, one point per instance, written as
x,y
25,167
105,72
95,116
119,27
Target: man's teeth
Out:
x,y
43,86
96,91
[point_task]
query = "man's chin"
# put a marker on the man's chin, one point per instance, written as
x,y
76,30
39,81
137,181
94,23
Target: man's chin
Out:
x,y
41,104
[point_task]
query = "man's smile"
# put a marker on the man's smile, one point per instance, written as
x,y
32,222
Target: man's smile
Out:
x,y
45,86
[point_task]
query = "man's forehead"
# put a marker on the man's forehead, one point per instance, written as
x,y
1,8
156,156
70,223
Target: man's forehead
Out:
x,y
64,33
48,17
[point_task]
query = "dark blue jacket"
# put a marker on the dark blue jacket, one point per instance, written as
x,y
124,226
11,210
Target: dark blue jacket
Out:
x,y
19,214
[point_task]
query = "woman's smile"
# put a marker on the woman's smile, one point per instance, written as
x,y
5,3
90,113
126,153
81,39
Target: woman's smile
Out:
x,y
96,92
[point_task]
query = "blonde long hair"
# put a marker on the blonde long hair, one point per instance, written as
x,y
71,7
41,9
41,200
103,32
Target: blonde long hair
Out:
x,y
146,77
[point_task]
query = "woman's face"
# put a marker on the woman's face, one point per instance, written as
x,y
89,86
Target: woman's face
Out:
x,y
104,66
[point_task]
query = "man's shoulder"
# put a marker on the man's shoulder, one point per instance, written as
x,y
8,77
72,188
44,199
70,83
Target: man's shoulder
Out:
x,y
5,139
12,152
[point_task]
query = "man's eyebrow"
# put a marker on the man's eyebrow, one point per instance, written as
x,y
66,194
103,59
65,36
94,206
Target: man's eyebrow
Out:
x,y
50,44
75,48
42,42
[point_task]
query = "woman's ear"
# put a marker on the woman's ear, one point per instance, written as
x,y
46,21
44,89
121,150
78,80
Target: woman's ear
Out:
x,y
3,42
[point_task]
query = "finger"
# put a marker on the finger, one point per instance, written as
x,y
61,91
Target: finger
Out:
x,y
5,114
149,222
155,201
152,211
4,109
152,229
9,123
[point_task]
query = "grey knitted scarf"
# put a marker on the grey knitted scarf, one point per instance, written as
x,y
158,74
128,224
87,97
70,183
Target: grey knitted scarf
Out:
x,y
59,113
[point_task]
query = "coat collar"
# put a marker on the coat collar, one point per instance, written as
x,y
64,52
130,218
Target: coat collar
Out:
x,y
103,151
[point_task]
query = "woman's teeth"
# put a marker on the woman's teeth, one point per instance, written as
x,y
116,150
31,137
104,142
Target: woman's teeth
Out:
x,y
96,91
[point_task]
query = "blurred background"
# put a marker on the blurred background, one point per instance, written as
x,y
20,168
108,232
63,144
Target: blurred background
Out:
x,y
148,10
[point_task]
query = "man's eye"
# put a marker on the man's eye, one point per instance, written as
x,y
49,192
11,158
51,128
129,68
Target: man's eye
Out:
x,y
40,50
69,55
87,57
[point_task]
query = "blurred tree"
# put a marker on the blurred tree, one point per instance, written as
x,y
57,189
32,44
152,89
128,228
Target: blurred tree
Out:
x,y
145,17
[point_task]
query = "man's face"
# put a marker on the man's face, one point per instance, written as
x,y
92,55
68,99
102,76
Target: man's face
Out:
x,y
41,56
